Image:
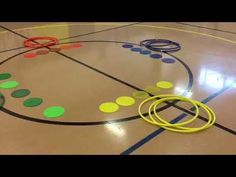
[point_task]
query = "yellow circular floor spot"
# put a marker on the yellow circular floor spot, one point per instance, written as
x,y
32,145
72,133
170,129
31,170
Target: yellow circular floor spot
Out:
x,y
164,84
125,101
108,107
152,89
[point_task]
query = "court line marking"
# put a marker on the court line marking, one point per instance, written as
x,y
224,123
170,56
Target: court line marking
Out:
x,y
63,54
199,26
95,69
173,104
104,30
169,104
178,118
107,29
206,120
8,50
129,118
115,24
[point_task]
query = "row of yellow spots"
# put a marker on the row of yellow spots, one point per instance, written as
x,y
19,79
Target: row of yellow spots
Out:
x,y
110,107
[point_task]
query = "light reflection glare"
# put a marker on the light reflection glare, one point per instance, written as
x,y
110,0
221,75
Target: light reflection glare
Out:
x,y
214,79
180,91
115,129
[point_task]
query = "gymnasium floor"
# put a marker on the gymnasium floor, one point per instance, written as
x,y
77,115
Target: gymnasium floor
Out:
x,y
93,67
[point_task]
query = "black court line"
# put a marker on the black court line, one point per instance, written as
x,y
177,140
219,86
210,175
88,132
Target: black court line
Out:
x,y
206,120
83,64
131,118
169,104
180,117
108,29
101,72
85,123
8,50
198,26
123,82
18,34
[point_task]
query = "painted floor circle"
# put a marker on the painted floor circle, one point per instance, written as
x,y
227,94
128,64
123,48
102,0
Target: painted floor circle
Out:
x,y
9,84
33,102
109,107
4,76
30,55
54,112
125,101
164,84
20,93
140,94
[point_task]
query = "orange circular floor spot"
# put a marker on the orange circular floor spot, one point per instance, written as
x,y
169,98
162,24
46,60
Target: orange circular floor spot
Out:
x,y
76,45
42,52
66,47
30,55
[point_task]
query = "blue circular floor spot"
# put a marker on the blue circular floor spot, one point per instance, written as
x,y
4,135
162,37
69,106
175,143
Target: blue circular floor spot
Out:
x,y
156,56
168,60
136,49
127,45
145,52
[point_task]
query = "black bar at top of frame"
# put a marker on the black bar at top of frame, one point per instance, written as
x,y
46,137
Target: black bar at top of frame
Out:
x,y
117,11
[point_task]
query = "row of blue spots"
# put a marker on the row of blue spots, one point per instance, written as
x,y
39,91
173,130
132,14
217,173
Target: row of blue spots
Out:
x,y
148,52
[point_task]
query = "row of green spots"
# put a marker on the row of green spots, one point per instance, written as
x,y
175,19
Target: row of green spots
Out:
x,y
50,112
31,102
7,84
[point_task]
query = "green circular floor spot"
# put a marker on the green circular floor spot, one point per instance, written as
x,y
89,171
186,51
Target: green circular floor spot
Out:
x,y
4,76
20,93
140,94
9,84
32,102
54,112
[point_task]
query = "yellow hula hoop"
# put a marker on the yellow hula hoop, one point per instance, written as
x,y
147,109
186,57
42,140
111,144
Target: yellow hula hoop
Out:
x,y
172,97
149,99
210,122
177,127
